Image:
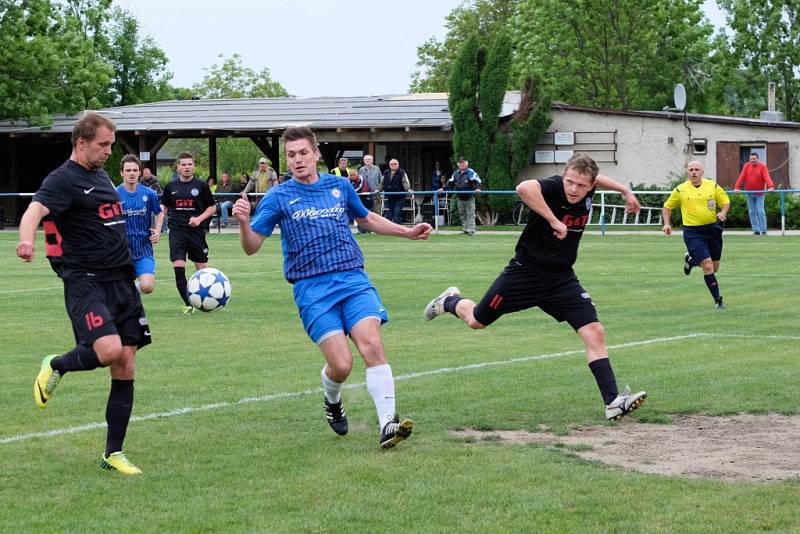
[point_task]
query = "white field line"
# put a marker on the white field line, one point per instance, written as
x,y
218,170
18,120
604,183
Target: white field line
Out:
x,y
317,391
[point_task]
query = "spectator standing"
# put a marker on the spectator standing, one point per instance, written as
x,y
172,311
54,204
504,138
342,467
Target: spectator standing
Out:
x,y
372,174
341,170
148,179
466,182
395,180
262,179
361,187
755,178
212,184
438,177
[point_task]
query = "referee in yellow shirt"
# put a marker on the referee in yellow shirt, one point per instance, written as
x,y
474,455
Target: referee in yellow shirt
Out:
x,y
704,205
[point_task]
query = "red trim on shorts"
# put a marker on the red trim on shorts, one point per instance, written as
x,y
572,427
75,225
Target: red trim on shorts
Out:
x,y
496,301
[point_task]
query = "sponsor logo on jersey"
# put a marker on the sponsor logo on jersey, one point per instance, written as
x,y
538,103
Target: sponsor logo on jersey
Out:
x,y
334,212
588,203
195,192
336,193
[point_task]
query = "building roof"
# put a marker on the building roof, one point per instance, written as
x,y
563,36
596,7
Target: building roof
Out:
x,y
266,115
259,116
673,115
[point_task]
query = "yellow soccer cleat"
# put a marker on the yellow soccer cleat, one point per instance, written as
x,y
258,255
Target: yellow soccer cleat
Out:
x,y
118,461
187,310
46,382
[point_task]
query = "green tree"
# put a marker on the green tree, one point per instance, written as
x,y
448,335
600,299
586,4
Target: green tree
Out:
x,y
140,73
435,57
764,41
618,54
233,80
477,90
469,138
50,59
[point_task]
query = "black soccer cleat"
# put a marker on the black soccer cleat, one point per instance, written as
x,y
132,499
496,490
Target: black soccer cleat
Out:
x,y
395,431
337,419
688,263
718,305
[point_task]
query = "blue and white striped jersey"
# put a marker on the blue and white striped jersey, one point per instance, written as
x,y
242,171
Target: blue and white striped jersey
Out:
x,y
139,208
315,235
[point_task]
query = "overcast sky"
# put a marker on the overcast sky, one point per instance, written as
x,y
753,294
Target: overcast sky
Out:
x,y
312,47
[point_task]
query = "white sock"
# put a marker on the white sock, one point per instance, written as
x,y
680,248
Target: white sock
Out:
x,y
332,389
380,384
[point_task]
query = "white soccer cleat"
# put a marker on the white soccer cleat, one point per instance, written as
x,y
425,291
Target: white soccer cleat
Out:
x,y
625,403
435,308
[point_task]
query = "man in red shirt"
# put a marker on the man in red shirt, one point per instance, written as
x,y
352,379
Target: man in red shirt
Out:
x,y
755,177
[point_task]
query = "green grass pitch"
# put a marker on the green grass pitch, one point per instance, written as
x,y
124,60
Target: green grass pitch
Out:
x,y
230,433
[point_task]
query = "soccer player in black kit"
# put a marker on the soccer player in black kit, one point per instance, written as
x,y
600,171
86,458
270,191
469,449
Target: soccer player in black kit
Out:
x,y
189,203
540,274
86,244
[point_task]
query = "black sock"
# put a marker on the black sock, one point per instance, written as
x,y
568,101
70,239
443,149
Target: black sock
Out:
x,y
604,375
81,358
450,304
180,283
713,287
118,413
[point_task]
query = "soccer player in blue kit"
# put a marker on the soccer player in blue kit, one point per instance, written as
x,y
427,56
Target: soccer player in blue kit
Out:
x,y
325,265
139,204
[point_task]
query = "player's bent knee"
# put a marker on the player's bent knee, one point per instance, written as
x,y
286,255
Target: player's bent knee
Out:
x,y
593,334
108,349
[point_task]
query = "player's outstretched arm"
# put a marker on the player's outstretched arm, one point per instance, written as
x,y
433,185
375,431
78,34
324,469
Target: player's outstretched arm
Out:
x,y
251,241
380,225
631,202
27,229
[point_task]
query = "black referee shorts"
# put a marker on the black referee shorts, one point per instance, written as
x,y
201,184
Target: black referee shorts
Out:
x,y
99,309
559,295
183,241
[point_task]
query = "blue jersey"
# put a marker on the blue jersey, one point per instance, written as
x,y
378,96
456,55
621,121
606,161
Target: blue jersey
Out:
x,y
139,208
315,235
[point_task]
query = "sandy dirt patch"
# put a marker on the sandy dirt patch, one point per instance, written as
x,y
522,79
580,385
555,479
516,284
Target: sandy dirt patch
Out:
x,y
740,447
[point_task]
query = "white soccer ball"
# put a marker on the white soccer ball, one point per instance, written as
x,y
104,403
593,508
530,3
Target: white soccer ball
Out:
x,y
209,289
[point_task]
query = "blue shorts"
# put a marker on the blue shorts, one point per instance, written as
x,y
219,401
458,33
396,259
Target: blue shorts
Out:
x,y
703,241
145,265
333,303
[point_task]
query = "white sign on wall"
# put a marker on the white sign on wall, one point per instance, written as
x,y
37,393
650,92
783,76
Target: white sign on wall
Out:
x,y
144,156
564,138
544,156
562,156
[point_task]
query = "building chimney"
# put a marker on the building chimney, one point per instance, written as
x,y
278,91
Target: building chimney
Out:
x,y
771,115
771,96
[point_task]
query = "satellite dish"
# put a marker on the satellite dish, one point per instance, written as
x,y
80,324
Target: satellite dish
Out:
x,y
679,96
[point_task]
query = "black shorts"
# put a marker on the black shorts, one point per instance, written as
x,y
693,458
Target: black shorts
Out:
x,y
99,309
704,241
559,295
191,241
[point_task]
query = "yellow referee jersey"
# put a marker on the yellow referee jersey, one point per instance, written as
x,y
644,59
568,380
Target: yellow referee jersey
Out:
x,y
699,205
